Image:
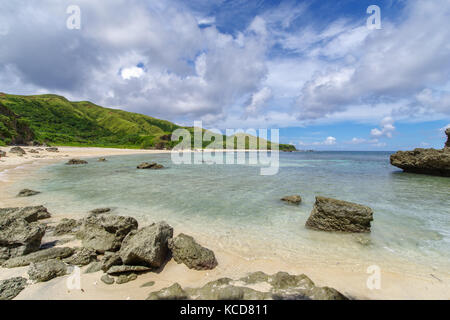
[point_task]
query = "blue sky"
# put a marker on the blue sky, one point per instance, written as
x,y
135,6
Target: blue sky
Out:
x,y
310,68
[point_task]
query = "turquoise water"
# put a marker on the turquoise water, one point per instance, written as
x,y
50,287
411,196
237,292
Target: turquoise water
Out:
x,y
240,210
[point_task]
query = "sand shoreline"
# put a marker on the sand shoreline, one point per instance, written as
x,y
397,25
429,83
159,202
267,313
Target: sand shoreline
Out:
x,y
350,280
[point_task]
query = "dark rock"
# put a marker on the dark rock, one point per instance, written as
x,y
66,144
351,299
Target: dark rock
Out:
x,y
2,154
105,232
280,286
17,150
47,270
27,193
18,237
101,160
52,149
337,215
29,214
124,278
66,226
82,257
148,284
425,161
76,161
111,259
33,151
186,250
153,165
95,266
100,210
147,246
127,269
39,256
296,199
10,288
107,279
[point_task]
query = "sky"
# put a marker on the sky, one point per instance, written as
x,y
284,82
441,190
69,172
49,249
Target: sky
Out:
x,y
312,69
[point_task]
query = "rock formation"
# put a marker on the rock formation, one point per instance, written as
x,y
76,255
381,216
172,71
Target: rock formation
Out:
x,y
153,165
337,215
186,250
76,161
425,161
296,199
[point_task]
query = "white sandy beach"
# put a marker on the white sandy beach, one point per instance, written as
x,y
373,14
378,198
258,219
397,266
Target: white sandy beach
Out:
x,y
349,279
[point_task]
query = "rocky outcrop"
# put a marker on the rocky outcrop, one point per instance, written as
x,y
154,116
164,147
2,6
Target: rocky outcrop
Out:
x,y
66,226
105,232
18,237
39,256
425,161
296,199
153,165
29,214
186,250
337,215
82,257
17,150
47,270
10,288
76,161
127,269
280,286
147,246
27,193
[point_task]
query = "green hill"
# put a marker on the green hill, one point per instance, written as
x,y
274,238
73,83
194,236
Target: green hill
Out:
x,y
53,119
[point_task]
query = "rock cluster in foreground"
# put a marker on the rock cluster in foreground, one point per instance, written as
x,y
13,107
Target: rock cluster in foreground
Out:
x,y
336,215
280,286
425,161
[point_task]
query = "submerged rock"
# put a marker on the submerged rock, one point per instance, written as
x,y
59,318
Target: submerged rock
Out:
x,y
47,270
18,237
76,161
280,286
17,150
105,232
27,193
102,160
336,215
153,165
39,256
296,199
147,246
425,161
10,288
186,250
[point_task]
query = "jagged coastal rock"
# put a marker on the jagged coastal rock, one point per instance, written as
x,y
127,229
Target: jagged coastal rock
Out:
x,y
66,226
76,161
336,215
39,256
105,232
82,257
295,199
153,165
10,288
29,214
425,161
27,193
47,270
186,250
280,286
147,246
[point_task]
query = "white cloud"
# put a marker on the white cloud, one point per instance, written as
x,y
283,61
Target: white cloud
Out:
x,y
258,100
132,72
329,141
387,128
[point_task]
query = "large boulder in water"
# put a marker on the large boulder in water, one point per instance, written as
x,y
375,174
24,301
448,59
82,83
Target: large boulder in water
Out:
x,y
76,161
153,165
18,237
186,250
27,193
295,199
147,246
105,232
337,215
425,161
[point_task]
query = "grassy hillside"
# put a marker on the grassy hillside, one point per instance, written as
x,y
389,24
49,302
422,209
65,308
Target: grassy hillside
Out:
x,y
55,120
